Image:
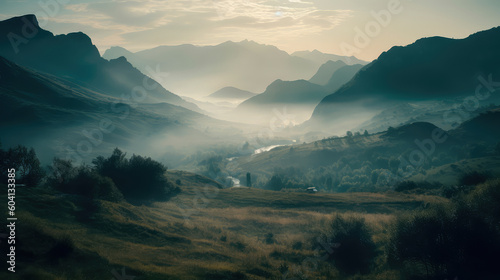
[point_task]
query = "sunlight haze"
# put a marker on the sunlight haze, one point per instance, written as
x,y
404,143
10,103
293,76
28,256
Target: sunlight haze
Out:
x,y
291,25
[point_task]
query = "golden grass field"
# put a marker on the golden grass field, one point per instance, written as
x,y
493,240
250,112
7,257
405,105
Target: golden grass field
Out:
x,y
202,233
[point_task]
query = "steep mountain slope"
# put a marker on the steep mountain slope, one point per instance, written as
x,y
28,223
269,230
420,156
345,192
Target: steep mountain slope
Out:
x,y
74,57
297,98
429,69
59,117
342,76
326,71
288,92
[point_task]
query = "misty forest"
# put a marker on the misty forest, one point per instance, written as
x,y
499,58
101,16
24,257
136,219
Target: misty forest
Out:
x,y
240,160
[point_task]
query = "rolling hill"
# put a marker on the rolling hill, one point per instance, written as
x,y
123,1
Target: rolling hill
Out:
x,y
362,162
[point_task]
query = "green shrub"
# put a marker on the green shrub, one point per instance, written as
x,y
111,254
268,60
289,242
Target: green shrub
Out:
x,y
473,178
411,185
138,178
460,239
83,181
26,164
90,184
354,250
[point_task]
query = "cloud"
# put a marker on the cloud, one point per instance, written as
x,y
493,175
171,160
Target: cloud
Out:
x,y
148,23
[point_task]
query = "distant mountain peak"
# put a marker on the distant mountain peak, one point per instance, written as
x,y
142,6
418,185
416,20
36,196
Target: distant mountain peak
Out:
x,y
18,29
21,20
326,71
232,93
120,60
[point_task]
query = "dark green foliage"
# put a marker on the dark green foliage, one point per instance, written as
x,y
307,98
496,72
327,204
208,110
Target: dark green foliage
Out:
x,y
411,185
225,275
83,181
138,178
275,183
114,178
297,245
90,184
269,238
460,239
26,164
62,248
60,173
354,250
283,268
452,191
238,245
473,178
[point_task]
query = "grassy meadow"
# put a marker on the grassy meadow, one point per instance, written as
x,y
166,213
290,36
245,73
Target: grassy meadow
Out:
x,y
202,233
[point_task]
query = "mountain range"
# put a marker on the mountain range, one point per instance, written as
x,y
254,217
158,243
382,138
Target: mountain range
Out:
x,y
75,58
197,71
321,58
299,97
58,95
433,68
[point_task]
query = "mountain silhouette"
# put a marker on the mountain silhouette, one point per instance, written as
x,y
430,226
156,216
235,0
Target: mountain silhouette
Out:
x,y
297,98
232,93
341,76
288,92
429,69
326,71
74,57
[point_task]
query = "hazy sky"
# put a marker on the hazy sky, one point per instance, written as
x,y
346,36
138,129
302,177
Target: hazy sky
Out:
x,y
327,25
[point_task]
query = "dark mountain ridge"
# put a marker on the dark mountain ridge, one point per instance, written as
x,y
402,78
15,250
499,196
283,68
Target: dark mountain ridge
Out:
x,y
430,68
74,57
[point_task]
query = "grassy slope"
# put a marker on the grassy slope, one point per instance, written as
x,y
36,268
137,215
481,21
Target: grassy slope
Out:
x,y
448,173
203,233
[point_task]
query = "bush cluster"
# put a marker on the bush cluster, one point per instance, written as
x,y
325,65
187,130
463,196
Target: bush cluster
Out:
x,y
458,239
138,179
